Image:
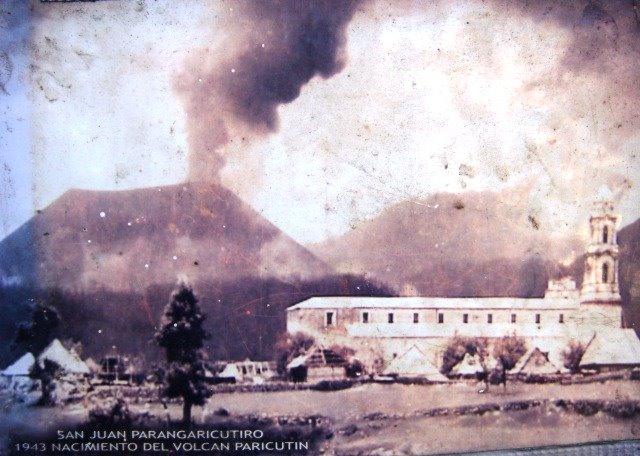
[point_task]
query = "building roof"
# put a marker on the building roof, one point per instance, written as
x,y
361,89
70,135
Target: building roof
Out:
x,y
318,357
535,361
358,302
414,363
613,347
324,357
297,362
470,365
230,371
92,365
21,367
68,360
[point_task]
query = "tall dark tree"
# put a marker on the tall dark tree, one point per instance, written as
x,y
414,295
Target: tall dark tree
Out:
x,y
34,335
182,335
46,373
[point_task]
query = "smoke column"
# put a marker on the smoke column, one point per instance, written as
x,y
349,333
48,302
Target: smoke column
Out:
x,y
276,47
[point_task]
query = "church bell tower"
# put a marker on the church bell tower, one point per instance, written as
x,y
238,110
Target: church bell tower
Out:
x,y
600,283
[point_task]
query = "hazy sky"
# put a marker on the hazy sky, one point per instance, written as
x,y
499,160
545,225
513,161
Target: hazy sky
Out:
x,y
455,96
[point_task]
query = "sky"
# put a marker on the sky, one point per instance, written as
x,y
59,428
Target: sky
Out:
x,y
405,100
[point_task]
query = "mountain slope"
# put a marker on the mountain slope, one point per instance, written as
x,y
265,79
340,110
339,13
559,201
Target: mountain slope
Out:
x,y
629,242
453,245
128,240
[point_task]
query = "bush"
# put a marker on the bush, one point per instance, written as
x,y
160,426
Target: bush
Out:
x,y
572,356
332,385
495,377
623,409
587,408
116,415
290,346
355,369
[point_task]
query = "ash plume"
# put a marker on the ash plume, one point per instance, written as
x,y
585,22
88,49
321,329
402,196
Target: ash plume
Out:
x,y
605,47
276,47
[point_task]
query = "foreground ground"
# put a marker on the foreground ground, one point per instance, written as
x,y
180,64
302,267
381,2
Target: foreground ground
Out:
x,y
395,419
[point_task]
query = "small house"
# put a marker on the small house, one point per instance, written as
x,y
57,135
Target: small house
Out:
x,y
469,367
535,363
414,364
617,349
68,360
247,371
318,364
16,376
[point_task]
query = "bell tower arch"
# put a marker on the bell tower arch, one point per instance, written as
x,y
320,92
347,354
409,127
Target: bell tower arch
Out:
x,y
600,282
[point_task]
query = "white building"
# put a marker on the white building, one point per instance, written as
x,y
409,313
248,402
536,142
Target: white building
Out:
x,y
382,327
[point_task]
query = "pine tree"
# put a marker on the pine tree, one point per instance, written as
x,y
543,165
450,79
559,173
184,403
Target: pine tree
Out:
x,y
182,336
34,335
46,374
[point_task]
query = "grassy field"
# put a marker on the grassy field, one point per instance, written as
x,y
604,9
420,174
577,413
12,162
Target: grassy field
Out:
x,y
402,429
401,399
392,419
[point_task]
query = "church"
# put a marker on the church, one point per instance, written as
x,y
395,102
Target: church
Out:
x,y
383,328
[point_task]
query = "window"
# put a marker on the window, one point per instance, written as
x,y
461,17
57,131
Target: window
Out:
x,y
537,319
440,318
329,318
513,318
365,317
465,318
561,318
390,318
490,318
605,234
605,272
416,317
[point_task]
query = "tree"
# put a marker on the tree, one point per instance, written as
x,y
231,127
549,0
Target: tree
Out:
x,y
182,335
290,346
34,335
508,350
572,356
460,346
45,373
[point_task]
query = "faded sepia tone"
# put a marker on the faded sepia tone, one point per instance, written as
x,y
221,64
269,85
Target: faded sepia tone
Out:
x,y
326,177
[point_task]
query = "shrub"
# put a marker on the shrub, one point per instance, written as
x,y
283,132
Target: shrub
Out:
x,y
587,408
572,356
115,415
623,409
290,346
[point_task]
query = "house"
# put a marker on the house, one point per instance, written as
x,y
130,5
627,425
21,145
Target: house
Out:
x,y
318,364
17,375
21,368
603,351
414,364
68,360
120,369
247,371
534,363
470,366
